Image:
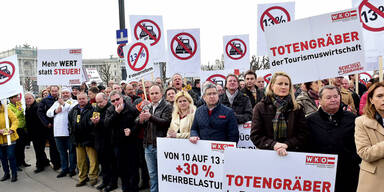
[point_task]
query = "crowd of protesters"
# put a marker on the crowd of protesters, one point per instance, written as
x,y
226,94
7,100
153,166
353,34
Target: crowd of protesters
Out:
x,y
111,131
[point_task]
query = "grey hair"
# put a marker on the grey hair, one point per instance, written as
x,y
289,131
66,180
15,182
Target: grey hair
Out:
x,y
29,93
330,87
115,92
208,85
105,97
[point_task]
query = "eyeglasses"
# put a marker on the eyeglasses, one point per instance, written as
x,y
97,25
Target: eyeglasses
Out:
x,y
117,99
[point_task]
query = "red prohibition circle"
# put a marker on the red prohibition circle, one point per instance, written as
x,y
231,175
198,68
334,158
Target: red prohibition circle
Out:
x,y
266,12
229,44
373,8
266,77
6,74
213,76
175,38
138,24
367,74
133,65
120,51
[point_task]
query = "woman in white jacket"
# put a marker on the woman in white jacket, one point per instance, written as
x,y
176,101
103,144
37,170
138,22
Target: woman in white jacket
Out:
x,y
182,116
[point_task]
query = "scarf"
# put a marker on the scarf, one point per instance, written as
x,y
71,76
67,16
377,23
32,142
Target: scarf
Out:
x,y
279,123
313,95
231,97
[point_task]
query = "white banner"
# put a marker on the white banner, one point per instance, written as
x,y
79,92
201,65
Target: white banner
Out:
x,y
9,77
190,167
93,75
372,19
59,66
319,47
245,136
266,74
138,60
236,52
149,27
249,170
269,15
216,77
183,52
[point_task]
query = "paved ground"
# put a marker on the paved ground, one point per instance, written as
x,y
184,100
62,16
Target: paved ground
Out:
x,y
45,181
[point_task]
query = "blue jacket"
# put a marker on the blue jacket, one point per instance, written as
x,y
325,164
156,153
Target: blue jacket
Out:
x,y
221,125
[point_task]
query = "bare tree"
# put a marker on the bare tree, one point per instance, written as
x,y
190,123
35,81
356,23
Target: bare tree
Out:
x,y
28,86
105,72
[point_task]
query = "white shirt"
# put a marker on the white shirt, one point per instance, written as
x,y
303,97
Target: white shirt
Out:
x,y
154,106
60,120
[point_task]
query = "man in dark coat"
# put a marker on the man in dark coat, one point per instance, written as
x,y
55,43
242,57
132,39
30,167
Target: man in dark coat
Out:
x,y
36,132
214,121
251,90
120,119
155,118
236,100
332,132
43,107
81,130
103,144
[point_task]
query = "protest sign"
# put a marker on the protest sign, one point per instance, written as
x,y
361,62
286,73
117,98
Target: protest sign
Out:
x,y
236,52
372,20
138,60
9,77
93,75
59,66
319,47
245,136
266,74
149,28
249,170
190,167
269,15
183,52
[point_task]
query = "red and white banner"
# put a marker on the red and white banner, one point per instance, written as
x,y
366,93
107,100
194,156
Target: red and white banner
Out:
x,y
9,77
138,60
59,67
191,167
249,170
319,47
245,136
269,15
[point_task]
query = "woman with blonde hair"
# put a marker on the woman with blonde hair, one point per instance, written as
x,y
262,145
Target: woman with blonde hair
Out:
x,y
182,116
369,139
278,123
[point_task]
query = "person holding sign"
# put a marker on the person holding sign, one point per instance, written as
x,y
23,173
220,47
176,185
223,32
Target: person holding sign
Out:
x,y
7,152
214,121
182,116
278,122
369,138
331,132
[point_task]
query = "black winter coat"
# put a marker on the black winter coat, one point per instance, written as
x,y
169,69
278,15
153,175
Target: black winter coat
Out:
x,y
117,122
34,126
102,132
43,107
336,136
158,123
259,95
81,128
241,106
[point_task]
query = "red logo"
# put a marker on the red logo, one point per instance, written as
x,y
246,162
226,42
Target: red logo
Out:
x,y
321,160
344,15
75,51
220,146
247,125
222,116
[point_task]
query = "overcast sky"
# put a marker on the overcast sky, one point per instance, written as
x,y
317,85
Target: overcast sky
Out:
x,y
92,24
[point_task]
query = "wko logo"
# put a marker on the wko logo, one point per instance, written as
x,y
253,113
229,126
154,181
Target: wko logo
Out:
x,y
320,160
220,146
347,15
75,51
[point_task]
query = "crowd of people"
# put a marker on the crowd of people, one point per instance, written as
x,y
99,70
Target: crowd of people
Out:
x,y
111,131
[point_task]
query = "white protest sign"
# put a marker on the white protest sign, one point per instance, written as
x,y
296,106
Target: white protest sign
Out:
x,y
9,77
183,52
245,136
138,60
236,52
269,15
59,66
216,77
365,77
93,75
249,170
190,167
149,27
319,47
372,19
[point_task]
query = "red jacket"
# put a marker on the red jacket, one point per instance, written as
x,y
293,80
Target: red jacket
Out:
x,y
363,102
